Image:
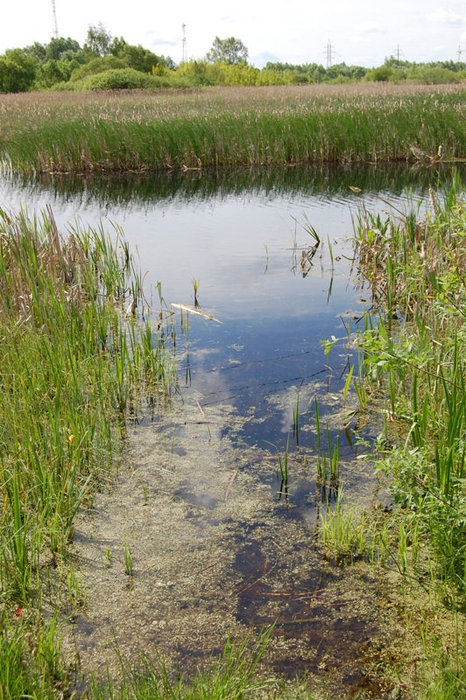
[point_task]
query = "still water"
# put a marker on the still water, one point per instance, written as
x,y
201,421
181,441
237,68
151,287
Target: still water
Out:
x,y
243,238
218,543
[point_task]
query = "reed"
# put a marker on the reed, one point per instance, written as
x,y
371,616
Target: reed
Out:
x,y
73,368
416,272
343,533
328,457
231,127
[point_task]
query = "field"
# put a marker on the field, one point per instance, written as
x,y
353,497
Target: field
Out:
x,y
230,127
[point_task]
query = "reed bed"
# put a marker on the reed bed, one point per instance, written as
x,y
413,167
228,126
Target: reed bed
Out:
x,y
75,366
231,127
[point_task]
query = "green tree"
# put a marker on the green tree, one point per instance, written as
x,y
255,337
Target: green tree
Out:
x,y
229,50
17,71
36,51
100,64
99,41
136,57
52,72
58,46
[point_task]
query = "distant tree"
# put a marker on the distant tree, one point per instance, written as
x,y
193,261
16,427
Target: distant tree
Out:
x,y
168,62
380,74
17,71
58,46
117,45
136,57
52,72
36,51
99,41
100,64
229,50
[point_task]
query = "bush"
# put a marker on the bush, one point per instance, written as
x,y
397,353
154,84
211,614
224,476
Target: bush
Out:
x,y
436,76
119,79
17,71
380,74
98,65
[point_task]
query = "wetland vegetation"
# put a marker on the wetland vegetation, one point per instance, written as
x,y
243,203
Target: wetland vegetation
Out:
x,y
231,127
83,358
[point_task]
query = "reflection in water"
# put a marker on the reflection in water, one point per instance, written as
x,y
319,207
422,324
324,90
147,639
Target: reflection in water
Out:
x,y
326,181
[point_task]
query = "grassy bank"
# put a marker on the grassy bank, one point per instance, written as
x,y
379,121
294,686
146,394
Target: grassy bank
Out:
x,y
74,367
232,127
412,370
416,271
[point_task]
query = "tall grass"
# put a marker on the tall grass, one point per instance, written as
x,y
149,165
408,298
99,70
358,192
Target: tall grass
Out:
x,y
74,367
417,273
232,127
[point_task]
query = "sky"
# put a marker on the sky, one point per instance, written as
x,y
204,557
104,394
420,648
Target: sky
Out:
x,y
359,32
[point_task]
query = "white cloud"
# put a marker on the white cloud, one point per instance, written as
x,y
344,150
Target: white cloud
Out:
x,y
445,15
366,32
370,28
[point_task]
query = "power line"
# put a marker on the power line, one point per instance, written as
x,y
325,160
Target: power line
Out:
x,y
329,52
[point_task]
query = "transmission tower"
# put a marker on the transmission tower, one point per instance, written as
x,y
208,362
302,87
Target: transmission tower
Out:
x,y
55,25
398,53
329,53
183,43
460,52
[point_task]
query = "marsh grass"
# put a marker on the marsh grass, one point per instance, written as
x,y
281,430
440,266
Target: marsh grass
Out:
x,y
231,127
74,369
233,675
412,366
416,270
327,455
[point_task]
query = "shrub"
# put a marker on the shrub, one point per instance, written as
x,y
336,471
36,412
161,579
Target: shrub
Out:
x,y
17,71
119,79
380,74
437,76
98,65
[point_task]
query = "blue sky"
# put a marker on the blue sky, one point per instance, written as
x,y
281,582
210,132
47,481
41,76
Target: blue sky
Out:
x,y
360,32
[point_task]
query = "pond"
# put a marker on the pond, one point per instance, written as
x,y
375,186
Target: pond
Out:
x,y
219,540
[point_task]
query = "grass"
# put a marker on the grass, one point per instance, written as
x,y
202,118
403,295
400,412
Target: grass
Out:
x,y
231,127
412,369
232,676
416,271
74,369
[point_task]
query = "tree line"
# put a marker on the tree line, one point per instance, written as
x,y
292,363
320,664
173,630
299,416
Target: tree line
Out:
x,y
106,62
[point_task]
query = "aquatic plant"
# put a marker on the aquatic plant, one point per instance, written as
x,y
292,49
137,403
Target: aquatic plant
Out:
x,y
416,272
283,470
74,368
231,127
234,674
